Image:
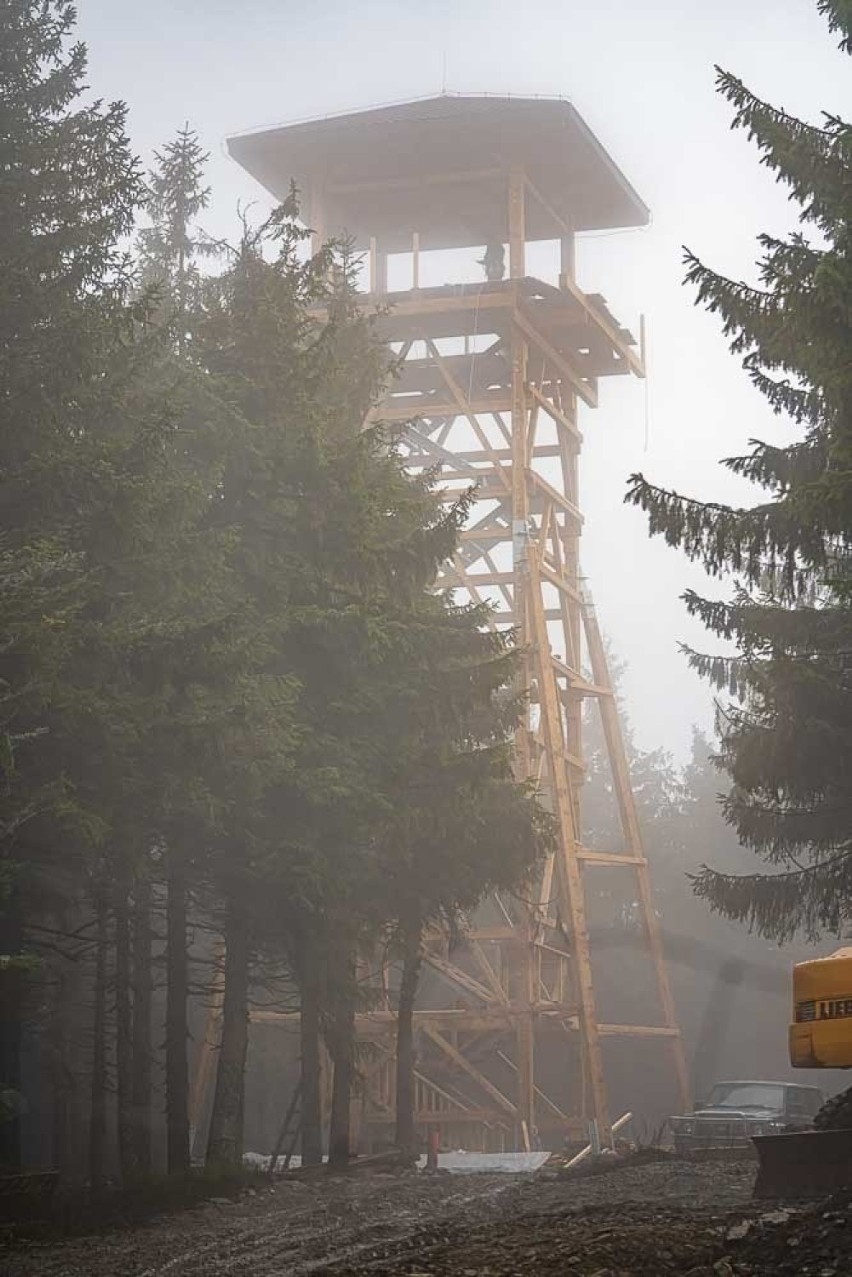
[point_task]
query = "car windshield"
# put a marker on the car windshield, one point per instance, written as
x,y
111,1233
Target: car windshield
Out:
x,y
747,1095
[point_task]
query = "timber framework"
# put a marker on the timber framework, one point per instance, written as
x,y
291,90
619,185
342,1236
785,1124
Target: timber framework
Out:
x,y
511,1038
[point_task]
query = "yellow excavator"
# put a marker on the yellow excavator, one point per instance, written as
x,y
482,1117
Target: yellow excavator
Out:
x,y
817,1162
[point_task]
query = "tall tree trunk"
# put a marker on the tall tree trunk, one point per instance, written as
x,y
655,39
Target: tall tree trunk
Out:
x,y
123,1038
98,1115
177,992
342,1045
225,1141
59,1048
143,996
405,1131
309,1040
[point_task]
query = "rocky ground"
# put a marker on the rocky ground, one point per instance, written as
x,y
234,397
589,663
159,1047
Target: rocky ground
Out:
x,y
657,1219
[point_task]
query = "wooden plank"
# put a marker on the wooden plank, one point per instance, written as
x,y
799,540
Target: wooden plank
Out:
x,y
463,408
462,457
461,1062
559,582
608,857
491,977
558,498
453,1100
540,1094
554,411
434,409
586,390
381,1022
594,316
584,1153
637,1031
458,977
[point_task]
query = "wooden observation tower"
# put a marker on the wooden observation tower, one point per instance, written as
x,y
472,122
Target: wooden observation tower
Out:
x,y
510,1034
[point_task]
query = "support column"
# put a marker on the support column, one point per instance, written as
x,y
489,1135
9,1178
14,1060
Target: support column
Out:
x,y
633,842
570,877
567,260
517,228
317,217
378,268
525,1035
520,535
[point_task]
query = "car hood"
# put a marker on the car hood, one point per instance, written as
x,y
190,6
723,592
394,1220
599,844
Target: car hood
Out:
x,y
750,1115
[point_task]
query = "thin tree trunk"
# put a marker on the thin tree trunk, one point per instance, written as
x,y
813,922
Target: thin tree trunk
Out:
x,y
405,1131
98,1115
309,1035
177,991
225,1141
123,1039
59,1047
143,996
342,1045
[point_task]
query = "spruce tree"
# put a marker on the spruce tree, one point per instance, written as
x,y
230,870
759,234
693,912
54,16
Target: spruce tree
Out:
x,y
170,250
69,192
786,738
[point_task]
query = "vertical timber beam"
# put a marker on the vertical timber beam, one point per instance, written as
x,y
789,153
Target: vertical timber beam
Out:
x,y
569,865
524,954
633,840
317,216
517,227
566,260
378,268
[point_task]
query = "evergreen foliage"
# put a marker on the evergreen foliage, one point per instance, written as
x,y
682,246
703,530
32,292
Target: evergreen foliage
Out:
x,y
228,696
786,739
170,250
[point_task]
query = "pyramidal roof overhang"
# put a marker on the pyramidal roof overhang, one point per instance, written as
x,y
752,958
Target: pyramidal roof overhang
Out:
x,y
438,166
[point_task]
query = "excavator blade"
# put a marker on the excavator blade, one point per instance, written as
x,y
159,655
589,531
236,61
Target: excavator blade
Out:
x,y
804,1164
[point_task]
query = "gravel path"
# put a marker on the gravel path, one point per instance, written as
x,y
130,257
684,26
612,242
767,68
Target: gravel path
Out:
x,y
660,1218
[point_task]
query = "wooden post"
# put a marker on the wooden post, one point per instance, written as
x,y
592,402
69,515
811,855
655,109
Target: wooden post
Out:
x,y
525,1036
569,866
318,231
633,841
567,260
378,268
517,228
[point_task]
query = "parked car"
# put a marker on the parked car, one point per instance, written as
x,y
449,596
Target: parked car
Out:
x,y
735,1111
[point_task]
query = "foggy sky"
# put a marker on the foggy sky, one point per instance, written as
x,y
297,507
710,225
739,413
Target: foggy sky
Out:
x,y
642,77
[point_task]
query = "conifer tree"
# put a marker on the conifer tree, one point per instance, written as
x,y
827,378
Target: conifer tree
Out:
x,y
170,249
786,739
69,192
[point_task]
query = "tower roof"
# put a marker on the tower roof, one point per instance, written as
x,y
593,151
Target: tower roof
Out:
x,y
437,166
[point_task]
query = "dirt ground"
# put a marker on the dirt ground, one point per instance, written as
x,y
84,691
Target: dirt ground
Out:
x,y
659,1219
